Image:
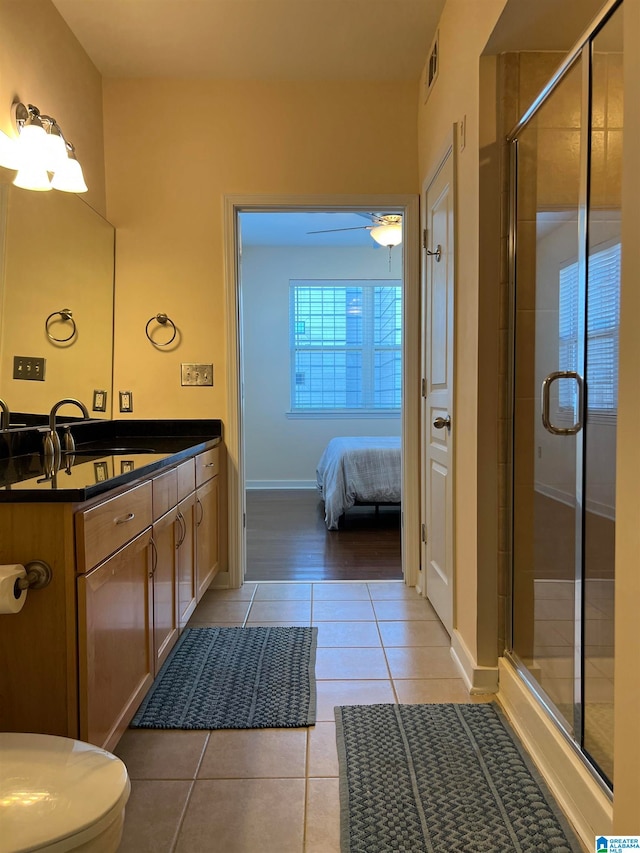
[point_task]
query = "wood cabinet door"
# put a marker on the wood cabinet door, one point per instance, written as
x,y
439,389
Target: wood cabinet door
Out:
x,y
206,535
166,533
186,560
115,649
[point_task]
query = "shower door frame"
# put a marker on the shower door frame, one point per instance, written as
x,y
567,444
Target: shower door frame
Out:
x,y
581,50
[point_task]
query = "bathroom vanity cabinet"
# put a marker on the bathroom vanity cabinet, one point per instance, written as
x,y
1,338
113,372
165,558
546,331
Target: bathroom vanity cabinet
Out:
x,y
129,567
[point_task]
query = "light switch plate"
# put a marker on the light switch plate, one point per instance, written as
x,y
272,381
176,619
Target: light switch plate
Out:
x,y
29,367
196,374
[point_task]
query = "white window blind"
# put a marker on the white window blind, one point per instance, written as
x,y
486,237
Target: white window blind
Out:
x,y
603,320
346,346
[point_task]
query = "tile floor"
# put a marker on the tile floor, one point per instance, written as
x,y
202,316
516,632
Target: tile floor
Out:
x,y
276,790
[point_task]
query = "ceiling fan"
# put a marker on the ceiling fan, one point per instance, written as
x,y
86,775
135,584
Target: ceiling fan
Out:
x,y
386,229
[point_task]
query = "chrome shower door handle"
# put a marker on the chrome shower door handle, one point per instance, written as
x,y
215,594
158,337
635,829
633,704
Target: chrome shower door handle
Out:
x,y
547,382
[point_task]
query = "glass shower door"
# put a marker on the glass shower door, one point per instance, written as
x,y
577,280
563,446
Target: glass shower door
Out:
x,y
603,315
549,398
566,273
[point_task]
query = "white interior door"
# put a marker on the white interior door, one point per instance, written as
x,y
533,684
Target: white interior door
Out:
x,y
437,416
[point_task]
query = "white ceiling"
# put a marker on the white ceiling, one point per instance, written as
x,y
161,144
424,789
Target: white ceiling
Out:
x,y
541,24
301,40
286,228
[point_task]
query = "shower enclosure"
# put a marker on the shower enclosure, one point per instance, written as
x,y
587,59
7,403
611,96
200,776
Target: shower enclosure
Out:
x,y
565,253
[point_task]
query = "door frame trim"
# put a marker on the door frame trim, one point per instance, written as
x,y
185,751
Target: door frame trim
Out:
x,y
408,205
448,149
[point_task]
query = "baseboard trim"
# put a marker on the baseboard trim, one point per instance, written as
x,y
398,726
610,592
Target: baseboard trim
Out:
x,y
581,798
478,679
281,484
221,581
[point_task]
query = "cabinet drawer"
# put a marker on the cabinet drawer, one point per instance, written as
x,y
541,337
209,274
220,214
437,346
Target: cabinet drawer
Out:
x,y
165,493
186,478
207,465
107,526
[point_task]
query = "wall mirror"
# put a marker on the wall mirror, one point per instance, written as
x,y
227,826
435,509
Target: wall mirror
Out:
x,y
56,254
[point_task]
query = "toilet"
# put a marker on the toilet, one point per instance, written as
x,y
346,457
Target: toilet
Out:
x,y
59,794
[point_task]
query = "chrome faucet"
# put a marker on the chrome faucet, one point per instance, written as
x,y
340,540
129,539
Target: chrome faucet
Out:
x,y
6,415
52,448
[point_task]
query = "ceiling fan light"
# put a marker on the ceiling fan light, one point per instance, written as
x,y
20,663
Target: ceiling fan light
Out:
x,y
387,235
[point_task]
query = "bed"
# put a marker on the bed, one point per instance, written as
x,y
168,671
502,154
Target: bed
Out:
x,y
358,470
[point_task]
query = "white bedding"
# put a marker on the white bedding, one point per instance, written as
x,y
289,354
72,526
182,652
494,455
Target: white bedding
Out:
x,y
362,468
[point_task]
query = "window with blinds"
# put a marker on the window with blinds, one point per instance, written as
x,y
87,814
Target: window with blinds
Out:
x,y
603,319
346,346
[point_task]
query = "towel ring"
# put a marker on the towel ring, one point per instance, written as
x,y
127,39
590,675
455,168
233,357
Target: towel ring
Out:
x,y
65,314
163,319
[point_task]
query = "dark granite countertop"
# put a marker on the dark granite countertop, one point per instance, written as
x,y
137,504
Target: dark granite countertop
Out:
x,y
109,454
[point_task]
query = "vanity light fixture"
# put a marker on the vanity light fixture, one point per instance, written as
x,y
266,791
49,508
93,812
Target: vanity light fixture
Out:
x,y
40,150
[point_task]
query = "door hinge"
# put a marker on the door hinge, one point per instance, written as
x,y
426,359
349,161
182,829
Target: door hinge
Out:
x,y
244,519
423,387
423,533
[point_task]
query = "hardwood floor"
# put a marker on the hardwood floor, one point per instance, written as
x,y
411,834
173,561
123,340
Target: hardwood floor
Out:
x,y
287,539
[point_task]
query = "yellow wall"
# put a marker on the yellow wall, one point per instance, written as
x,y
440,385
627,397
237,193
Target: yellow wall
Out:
x,y
173,150
464,28
58,254
42,63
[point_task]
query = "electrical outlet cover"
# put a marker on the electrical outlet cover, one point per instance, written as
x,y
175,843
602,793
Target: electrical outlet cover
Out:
x,y
126,401
99,401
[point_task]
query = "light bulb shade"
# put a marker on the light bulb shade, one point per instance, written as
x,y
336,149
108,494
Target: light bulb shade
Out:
x,y
32,178
9,154
387,235
56,149
33,146
68,177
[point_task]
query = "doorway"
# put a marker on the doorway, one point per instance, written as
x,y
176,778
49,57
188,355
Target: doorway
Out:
x,y
246,474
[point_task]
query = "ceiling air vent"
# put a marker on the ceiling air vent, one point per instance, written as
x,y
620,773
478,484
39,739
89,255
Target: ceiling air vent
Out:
x,y
433,64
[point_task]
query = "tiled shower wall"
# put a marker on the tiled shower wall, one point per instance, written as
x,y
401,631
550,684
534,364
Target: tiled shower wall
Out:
x,y
520,77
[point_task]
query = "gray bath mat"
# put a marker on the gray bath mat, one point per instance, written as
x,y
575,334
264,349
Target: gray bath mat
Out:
x,y
436,778
235,678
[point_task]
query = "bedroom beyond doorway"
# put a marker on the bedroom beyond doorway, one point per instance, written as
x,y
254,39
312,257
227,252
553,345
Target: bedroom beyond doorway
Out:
x,y
287,539
321,311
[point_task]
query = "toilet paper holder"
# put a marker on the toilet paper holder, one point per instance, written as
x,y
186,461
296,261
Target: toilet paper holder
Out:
x,y
39,575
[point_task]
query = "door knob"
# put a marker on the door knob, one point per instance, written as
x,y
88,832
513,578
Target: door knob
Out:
x,y
441,423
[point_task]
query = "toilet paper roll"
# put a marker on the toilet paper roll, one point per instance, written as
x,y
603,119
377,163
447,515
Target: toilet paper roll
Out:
x,y
12,598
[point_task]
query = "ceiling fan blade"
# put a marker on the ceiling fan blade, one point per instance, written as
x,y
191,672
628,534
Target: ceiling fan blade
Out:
x,y
329,230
